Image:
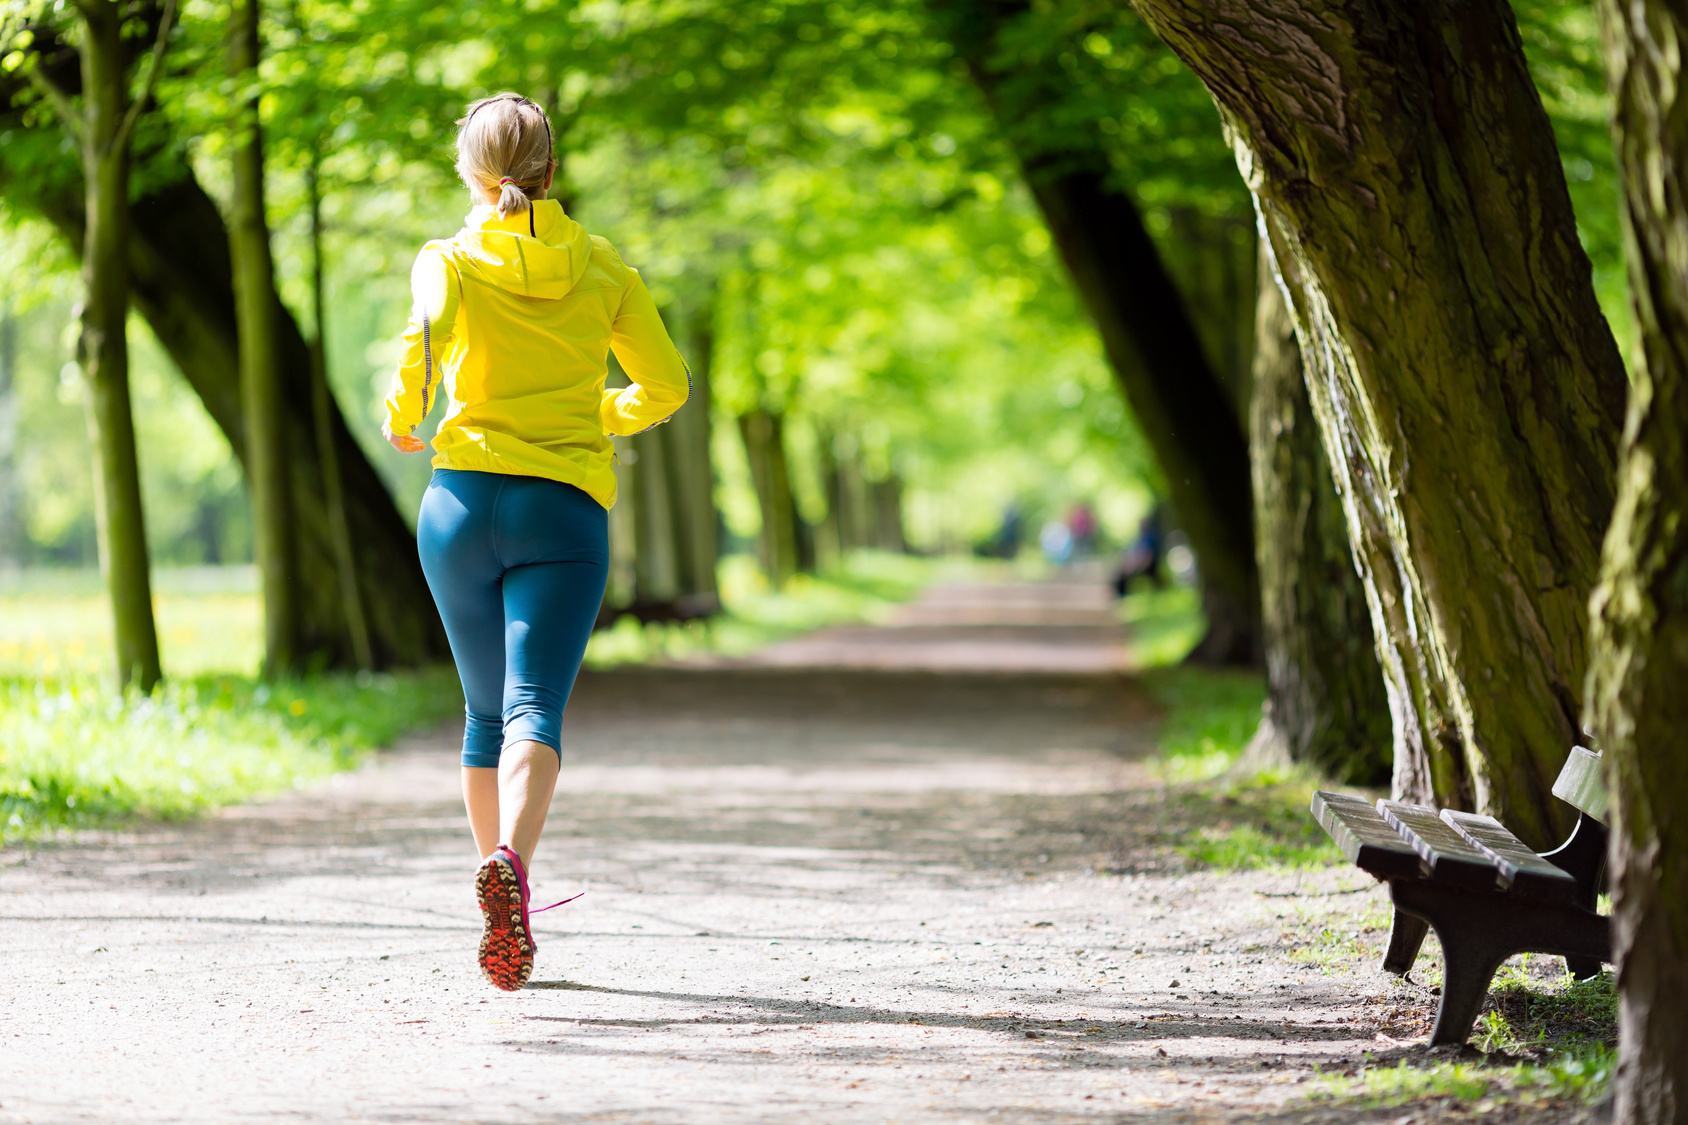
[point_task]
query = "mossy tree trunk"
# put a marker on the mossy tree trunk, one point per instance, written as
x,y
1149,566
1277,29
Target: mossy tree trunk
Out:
x,y
106,126
1467,389
1639,638
267,477
323,415
1325,703
1180,402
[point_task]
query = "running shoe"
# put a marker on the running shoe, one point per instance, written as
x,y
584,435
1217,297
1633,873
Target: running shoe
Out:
x,y
507,946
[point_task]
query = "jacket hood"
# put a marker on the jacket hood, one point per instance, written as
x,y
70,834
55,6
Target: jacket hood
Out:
x,y
546,263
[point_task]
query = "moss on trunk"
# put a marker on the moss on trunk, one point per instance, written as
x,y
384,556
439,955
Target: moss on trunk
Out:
x,y
1325,703
1639,637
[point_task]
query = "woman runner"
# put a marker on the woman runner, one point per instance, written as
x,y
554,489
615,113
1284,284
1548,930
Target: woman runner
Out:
x,y
513,318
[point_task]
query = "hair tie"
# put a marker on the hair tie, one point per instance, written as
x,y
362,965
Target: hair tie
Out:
x,y
505,180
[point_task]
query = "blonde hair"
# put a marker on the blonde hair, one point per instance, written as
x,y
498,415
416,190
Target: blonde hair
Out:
x,y
504,151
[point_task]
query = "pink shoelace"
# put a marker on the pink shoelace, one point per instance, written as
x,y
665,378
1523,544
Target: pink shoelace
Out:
x,y
521,874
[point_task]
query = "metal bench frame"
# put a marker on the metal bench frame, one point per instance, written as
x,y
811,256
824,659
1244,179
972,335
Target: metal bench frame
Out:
x,y
1486,895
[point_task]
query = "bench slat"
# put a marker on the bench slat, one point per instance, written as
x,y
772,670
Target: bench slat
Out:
x,y
1452,859
1365,837
1581,783
1523,871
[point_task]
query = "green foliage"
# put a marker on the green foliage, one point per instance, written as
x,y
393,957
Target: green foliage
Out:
x,y
76,752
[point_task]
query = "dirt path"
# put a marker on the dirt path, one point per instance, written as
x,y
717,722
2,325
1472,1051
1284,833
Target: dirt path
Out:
x,y
831,887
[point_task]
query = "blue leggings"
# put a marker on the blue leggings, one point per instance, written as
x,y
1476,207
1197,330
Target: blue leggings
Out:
x,y
517,566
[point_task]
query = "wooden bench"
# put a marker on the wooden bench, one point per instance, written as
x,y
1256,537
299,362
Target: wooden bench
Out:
x,y
1487,895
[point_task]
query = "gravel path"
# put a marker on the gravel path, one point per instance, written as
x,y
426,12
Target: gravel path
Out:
x,y
835,889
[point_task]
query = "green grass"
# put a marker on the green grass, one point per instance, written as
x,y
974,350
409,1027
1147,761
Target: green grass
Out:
x,y
1545,1037
1534,1008
1211,713
1584,1076
1164,625
75,752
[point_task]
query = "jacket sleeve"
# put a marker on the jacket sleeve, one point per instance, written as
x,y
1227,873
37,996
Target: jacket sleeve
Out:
x,y
436,292
659,382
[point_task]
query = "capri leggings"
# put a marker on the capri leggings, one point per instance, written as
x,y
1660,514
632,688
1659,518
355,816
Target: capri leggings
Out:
x,y
517,566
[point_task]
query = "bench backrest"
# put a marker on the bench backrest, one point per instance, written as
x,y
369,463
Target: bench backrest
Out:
x,y
1581,783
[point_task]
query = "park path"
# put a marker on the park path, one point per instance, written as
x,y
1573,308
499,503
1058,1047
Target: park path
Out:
x,y
866,876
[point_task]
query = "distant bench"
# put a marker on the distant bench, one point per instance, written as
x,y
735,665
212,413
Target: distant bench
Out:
x,y
1487,894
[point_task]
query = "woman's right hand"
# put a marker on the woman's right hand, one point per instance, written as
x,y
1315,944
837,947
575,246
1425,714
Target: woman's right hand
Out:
x,y
404,443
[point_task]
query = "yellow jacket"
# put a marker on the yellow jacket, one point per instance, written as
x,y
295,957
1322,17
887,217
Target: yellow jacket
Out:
x,y
515,318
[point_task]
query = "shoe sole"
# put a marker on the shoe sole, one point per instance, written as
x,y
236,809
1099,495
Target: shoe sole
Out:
x,y
506,955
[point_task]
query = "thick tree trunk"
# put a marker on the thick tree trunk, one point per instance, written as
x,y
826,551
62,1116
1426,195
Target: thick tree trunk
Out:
x,y
1181,404
1467,389
267,479
764,447
323,415
104,347
1639,638
1325,703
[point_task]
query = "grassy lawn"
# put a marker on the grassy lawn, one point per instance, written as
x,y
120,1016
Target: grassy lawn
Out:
x,y
73,751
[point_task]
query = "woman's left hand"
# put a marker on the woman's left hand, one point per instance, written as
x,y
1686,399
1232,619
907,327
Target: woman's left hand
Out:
x,y
404,443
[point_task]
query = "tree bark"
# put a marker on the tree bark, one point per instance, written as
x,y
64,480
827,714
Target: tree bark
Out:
x,y
1467,389
1180,402
104,345
1639,635
267,478
1325,703
323,415
764,446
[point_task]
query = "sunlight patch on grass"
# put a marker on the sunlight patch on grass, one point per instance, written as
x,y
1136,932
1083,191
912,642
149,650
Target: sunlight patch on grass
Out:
x,y
1583,1076
75,752
1162,625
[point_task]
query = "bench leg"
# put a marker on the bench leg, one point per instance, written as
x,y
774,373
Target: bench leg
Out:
x,y
1406,935
1583,857
1583,968
1469,962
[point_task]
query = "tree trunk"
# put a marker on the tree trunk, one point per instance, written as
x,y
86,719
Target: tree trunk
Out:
x,y
656,569
764,448
1639,637
1181,404
888,514
11,526
1325,703
1467,389
104,346
692,480
323,415
260,366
